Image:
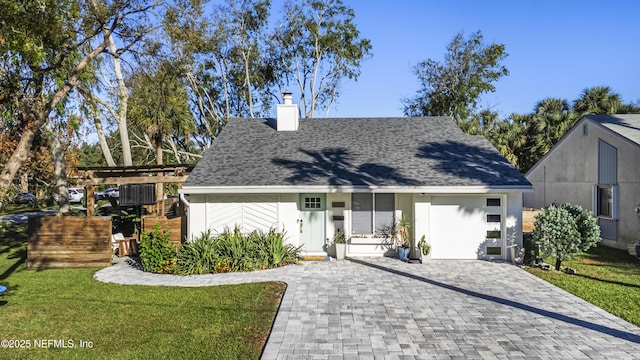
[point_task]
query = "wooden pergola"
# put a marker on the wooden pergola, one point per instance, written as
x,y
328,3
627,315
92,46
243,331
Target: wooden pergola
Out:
x,y
126,175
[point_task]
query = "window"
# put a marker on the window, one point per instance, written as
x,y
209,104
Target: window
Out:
x,y
493,234
585,130
493,202
312,203
604,198
493,218
371,212
494,250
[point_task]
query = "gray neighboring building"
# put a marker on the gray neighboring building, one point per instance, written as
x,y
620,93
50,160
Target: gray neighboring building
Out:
x,y
595,165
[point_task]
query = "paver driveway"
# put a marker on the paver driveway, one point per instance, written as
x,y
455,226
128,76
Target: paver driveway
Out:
x,y
381,308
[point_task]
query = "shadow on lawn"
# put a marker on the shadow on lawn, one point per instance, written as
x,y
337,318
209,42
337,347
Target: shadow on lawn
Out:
x,y
568,319
608,281
13,239
22,259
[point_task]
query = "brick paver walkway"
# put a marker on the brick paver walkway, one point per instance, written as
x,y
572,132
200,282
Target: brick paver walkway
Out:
x,y
381,308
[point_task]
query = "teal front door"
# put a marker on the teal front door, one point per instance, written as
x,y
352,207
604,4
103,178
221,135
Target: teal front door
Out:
x,y
312,222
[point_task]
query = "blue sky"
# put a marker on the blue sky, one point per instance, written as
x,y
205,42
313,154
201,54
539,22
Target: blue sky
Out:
x,y
556,49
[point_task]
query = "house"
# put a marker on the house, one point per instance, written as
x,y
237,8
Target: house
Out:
x,y
595,165
313,177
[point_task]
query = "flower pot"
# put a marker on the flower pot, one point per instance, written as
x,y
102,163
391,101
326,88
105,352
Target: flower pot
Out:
x,y
425,258
403,253
341,249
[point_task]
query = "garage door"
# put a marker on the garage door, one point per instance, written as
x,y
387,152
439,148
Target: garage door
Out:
x,y
466,227
250,212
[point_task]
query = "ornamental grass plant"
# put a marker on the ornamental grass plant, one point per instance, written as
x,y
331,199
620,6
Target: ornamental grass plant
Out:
x,y
233,251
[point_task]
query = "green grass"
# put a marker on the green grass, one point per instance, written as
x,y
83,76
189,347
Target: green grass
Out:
x,y
127,322
608,278
9,209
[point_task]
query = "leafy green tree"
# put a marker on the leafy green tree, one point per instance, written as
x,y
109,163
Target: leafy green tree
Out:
x,y
222,50
552,118
158,106
564,231
509,137
453,88
314,48
481,123
49,47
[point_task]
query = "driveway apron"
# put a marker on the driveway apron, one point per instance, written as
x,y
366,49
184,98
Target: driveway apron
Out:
x,y
381,308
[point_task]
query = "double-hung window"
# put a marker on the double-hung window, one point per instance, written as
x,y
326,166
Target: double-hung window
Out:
x,y
604,198
604,207
371,213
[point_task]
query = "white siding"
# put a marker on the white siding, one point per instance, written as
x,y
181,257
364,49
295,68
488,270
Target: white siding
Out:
x,y
197,216
249,212
223,212
260,213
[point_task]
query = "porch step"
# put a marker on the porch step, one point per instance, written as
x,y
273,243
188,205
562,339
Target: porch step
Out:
x,y
313,258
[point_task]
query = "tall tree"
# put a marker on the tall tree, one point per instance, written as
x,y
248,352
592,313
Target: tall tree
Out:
x,y
602,100
48,47
454,87
510,138
159,107
597,100
222,53
480,123
314,48
552,118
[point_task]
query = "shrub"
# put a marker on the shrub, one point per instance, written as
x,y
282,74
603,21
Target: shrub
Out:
x,y
236,252
566,230
156,253
198,256
233,251
275,252
530,248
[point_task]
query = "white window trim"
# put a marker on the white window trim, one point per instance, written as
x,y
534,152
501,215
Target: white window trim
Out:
x,y
614,201
373,215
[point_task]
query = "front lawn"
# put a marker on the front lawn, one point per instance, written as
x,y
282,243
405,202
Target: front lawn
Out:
x,y
67,314
605,277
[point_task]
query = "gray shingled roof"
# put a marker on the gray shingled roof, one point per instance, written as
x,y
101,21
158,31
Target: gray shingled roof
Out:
x,y
627,125
357,152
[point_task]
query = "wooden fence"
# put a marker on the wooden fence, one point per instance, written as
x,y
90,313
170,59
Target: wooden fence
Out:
x,y
174,225
68,242
528,219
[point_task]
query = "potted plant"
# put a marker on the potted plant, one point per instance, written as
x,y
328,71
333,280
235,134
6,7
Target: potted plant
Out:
x,y
424,249
340,243
403,239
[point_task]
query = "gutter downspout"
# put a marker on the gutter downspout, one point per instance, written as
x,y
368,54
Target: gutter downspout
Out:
x,y
184,200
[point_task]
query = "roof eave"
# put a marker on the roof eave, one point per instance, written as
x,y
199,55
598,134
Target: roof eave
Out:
x,y
288,189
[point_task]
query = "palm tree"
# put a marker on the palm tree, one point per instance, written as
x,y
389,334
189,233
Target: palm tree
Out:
x,y
159,107
510,137
598,100
552,118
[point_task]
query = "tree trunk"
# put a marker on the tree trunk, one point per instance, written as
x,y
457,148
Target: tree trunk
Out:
x,y
40,116
59,168
20,154
123,99
558,262
24,182
102,139
159,186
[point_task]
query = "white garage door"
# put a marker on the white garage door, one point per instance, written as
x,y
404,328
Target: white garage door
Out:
x,y
466,227
250,212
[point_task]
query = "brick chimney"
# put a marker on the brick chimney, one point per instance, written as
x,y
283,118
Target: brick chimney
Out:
x,y
287,114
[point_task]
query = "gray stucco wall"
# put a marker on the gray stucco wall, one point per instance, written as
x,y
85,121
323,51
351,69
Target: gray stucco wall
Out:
x,y
570,170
